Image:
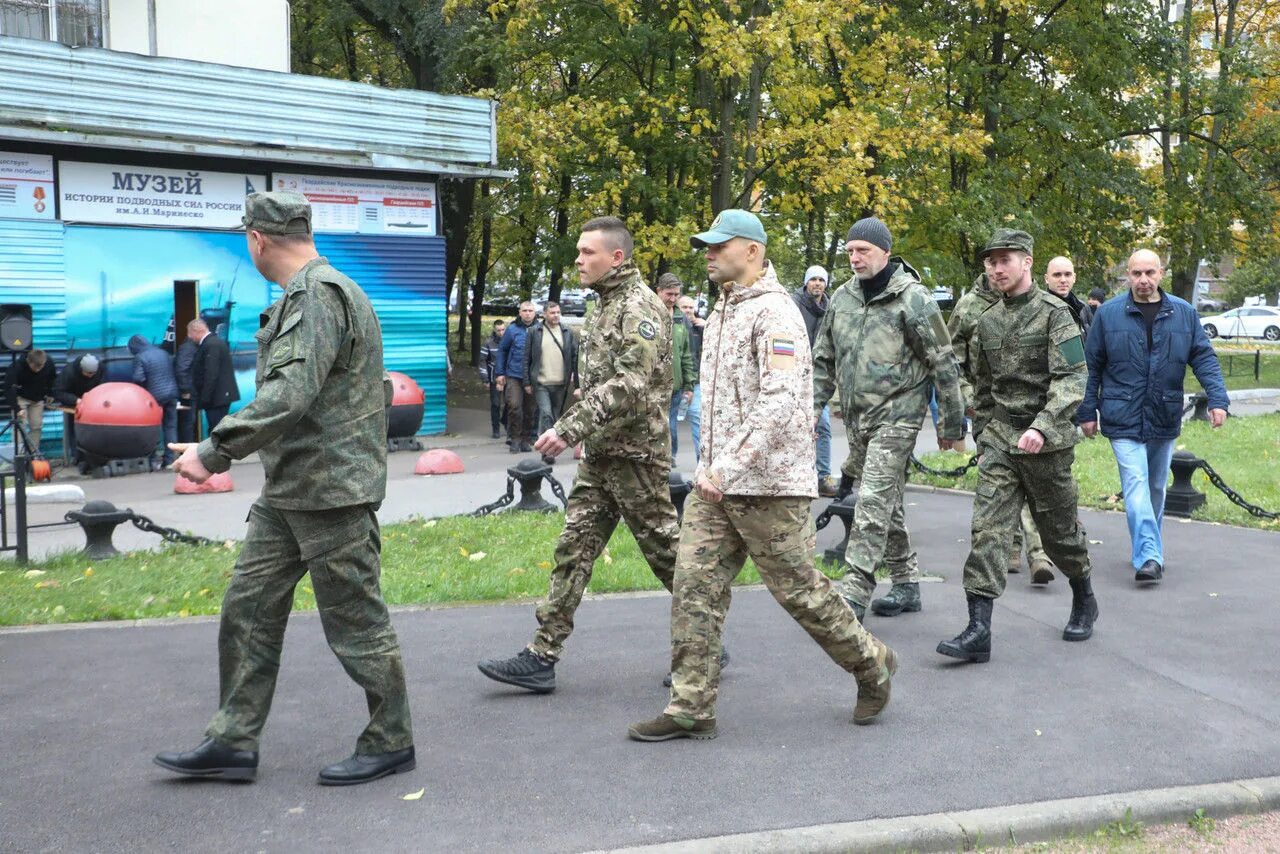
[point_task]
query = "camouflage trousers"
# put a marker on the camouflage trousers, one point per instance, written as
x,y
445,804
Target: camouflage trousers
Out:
x,y
606,489
778,535
878,458
1005,481
340,549
1027,534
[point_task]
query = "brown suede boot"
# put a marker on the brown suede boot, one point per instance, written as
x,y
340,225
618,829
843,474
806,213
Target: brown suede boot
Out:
x,y
873,690
664,728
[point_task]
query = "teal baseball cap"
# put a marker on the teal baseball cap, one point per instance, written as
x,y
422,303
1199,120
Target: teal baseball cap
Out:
x,y
729,224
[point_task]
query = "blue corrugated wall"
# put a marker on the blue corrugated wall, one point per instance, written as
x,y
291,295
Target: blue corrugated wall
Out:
x,y
32,271
404,278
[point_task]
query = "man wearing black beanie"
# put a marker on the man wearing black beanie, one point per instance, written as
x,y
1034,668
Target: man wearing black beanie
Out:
x,y
881,342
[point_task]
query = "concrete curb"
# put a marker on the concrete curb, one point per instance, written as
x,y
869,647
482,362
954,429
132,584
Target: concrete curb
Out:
x,y
1011,825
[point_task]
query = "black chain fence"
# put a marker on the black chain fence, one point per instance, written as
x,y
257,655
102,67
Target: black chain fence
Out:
x,y
1233,496
956,472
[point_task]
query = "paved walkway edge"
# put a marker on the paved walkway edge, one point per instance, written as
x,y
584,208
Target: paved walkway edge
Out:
x,y
1018,824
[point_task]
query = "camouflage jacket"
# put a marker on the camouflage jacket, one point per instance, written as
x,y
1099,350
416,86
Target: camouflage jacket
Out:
x,y
882,354
1030,374
319,418
963,325
624,366
757,393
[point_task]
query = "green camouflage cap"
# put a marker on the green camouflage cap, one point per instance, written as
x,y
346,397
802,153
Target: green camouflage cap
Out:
x,y
277,213
1008,238
729,224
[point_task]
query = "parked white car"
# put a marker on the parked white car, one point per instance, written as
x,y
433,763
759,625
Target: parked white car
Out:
x,y
1257,321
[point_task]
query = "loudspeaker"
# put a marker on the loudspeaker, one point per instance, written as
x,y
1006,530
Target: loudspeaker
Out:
x,y
15,327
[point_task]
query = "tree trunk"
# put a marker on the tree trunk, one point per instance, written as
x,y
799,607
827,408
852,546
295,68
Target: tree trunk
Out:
x,y
482,271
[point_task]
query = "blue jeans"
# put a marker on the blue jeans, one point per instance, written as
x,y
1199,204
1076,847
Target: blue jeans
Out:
x,y
675,425
1144,476
694,417
824,443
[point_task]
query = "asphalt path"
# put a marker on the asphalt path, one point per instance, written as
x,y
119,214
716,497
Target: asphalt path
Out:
x,y
1176,687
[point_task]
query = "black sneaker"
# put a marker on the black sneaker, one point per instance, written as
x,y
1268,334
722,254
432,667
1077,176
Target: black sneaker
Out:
x,y
724,659
524,670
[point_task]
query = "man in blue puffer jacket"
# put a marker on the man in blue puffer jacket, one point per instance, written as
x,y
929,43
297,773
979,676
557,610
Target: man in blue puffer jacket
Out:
x,y
1138,350
153,370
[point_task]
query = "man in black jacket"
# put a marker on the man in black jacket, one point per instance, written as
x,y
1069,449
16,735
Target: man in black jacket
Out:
x,y
1060,278
77,377
29,381
550,367
489,374
213,374
812,300
183,369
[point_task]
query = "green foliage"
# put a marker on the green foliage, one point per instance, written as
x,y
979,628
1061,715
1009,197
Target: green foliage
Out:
x,y
1202,823
948,118
1254,278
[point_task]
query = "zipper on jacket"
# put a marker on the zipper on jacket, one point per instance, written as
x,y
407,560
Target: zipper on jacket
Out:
x,y
715,378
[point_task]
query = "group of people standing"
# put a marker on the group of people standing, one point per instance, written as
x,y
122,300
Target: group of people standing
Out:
x,y
200,376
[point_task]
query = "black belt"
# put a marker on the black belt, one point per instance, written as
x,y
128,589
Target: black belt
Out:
x,y
1021,422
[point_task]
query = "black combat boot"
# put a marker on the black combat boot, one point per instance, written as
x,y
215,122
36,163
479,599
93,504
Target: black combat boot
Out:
x,y
1084,610
902,598
524,670
974,643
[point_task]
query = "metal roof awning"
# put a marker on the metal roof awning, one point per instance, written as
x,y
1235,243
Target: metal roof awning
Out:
x,y
91,97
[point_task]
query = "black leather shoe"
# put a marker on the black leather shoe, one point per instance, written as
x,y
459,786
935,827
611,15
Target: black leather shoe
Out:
x,y
974,643
1084,610
1150,573
361,768
212,759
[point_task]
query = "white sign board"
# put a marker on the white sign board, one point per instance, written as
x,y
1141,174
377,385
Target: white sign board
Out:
x,y
26,186
143,195
365,205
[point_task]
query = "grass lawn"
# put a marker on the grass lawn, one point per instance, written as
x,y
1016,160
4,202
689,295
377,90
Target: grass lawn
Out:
x,y
1237,361
1245,453
456,559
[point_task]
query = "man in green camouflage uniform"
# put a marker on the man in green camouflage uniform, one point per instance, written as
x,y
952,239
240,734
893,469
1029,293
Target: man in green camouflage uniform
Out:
x,y
881,342
1029,380
318,423
625,367
754,485
963,325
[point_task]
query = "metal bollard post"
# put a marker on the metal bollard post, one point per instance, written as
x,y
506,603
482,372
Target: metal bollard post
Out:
x,y
99,520
842,509
680,489
530,474
1182,498
1201,401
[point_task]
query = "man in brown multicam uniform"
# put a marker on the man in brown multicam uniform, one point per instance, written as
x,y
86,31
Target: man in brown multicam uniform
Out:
x,y
754,486
625,371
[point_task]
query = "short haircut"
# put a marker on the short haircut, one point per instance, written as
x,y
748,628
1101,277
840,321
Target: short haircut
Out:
x,y
616,233
198,323
668,281
288,240
36,359
499,322
528,303
550,304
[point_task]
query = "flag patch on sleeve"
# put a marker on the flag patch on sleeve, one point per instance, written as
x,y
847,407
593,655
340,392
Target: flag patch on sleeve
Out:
x,y
782,353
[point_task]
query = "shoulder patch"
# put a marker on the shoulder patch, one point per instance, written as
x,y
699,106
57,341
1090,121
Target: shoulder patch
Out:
x,y
648,331
1072,351
782,353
